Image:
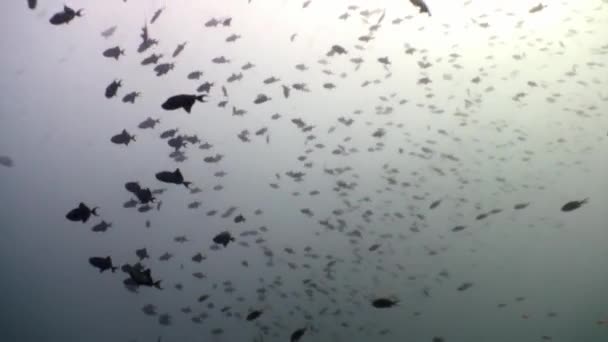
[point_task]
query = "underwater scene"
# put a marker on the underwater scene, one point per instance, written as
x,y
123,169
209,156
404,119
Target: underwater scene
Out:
x,y
304,170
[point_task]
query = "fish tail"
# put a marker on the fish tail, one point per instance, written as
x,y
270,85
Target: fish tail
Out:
x,y
157,284
187,184
94,211
200,98
79,12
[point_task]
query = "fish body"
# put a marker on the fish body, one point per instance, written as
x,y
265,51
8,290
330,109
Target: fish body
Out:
x,y
152,59
130,97
114,52
573,205
174,177
383,303
184,101
65,16
103,264
223,238
112,89
122,138
81,213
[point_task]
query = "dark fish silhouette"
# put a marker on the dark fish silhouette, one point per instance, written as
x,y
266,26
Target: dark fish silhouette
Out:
x,y
464,286
138,276
383,303
253,315
168,133
64,17
114,52
32,4
123,138
336,49
107,33
142,254
164,68
146,42
179,49
572,205
184,101
174,177
537,8
152,59
205,87
148,123
6,161
103,264
130,97
195,75
101,226
223,238
297,335
112,89
81,213
423,8
156,15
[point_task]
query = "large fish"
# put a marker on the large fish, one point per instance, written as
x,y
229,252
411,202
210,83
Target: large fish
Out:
x,y
184,101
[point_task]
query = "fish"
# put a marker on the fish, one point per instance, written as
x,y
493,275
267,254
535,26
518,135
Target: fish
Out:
x,y
142,254
169,133
223,238
81,213
239,218
146,42
174,177
184,101
65,16
165,257
464,286
32,4
6,161
149,309
112,88
122,138
519,206
261,98
130,97
179,49
163,69
103,264
101,226
253,315
139,276
156,14
422,7
205,87
114,52
458,228
152,59
297,335
383,303
336,49
195,75
148,123
107,33
537,8
573,205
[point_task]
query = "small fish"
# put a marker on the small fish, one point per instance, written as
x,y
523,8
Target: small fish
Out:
x,y
573,205
336,49
163,69
179,49
458,228
165,257
537,8
6,161
122,138
239,218
195,75
142,254
156,14
130,97
148,123
520,206
374,247
169,133
464,286
174,177
103,264
184,101
65,16
261,98
253,315
107,33
112,89
101,226
114,52
423,8
152,59
205,87
383,303
435,204
297,335
223,238
81,213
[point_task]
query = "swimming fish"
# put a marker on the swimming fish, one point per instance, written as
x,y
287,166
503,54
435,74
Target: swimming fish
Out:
x,y
421,6
174,177
103,264
112,88
383,303
81,213
64,17
114,52
184,101
122,138
572,205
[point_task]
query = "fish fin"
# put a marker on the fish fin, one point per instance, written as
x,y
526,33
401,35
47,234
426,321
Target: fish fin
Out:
x,y
94,211
157,284
187,184
201,98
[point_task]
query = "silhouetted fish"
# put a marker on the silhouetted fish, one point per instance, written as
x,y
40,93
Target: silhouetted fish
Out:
x,y
152,59
114,52
572,205
112,88
6,161
102,264
174,177
297,335
179,49
130,97
122,138
423,8
101,226
156,15
253,315
182,101
64,17
107,33
383,303
223,238
81,213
